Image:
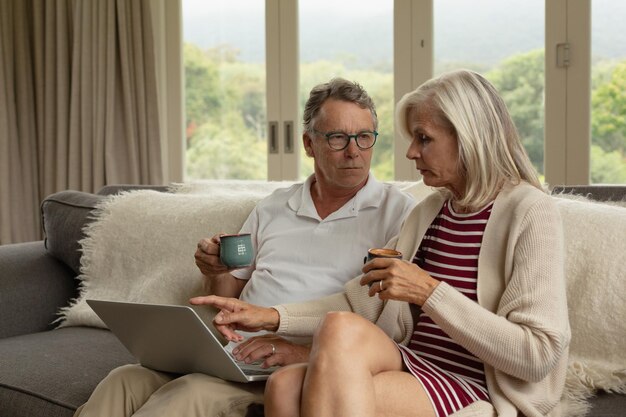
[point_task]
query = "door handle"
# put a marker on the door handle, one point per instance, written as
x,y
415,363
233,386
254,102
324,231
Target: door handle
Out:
x,y
272,134
288,136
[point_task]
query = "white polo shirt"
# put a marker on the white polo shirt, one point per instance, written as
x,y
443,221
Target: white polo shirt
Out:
x,y
301,257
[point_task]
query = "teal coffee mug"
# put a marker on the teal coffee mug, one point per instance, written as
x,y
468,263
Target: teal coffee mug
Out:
x,y
236,250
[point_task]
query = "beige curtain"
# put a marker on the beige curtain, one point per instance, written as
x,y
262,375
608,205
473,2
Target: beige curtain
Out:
x,y
78,103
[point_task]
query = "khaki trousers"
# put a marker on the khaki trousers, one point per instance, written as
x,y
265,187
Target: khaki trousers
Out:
x,y
133,390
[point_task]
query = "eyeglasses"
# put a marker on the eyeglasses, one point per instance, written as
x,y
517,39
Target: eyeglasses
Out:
x,y
339,141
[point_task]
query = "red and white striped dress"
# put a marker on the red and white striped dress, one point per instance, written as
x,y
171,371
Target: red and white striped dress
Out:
x,y
452,377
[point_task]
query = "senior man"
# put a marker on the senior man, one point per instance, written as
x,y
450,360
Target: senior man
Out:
x,y
309,238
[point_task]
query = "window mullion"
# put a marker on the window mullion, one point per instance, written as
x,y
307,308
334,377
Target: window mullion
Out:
x,y
413,65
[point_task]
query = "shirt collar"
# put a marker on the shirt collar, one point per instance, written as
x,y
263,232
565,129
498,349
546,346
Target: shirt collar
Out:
x,y
368,196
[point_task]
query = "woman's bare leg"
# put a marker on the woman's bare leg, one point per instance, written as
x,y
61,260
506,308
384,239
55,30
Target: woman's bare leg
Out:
x,y
355,369
400,394
284,390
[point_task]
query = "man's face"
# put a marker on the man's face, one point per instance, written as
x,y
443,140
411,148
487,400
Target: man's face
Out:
x,y
347,168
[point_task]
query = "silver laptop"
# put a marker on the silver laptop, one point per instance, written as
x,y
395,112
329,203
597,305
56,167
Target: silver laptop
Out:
x,y
173,338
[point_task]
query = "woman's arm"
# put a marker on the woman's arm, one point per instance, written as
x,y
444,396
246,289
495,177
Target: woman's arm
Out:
x,y
301,319
238,315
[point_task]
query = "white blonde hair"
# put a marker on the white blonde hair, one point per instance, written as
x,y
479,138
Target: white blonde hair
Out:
x,y
490,151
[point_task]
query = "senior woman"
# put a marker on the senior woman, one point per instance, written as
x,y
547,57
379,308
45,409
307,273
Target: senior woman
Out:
x,y
473,319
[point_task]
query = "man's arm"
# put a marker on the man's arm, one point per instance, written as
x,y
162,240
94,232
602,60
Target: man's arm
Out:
x,y
224,285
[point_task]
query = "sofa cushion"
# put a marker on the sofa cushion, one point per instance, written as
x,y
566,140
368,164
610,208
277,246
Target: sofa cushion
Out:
x,y
64,215
52,373
607,405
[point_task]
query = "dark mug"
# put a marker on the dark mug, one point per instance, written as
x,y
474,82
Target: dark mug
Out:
x,y
381,253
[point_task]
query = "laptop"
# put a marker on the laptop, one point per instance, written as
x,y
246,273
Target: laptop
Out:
x,y
173,338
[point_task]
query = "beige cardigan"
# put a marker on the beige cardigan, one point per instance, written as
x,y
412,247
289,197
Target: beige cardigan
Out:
x,y
519,328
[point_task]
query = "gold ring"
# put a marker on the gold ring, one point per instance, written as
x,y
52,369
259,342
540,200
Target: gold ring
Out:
x,y
380,284
273,349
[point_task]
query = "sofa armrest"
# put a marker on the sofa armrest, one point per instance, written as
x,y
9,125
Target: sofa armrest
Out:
x,y
33,286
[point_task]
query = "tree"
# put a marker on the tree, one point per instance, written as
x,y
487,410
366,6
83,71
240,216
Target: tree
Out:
x,y
608,122
607,167
202,100
224,148
225,102
520,81
226,112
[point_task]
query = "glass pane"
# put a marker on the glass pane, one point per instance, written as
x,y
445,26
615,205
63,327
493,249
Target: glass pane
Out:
x,y
608,87
504,41
225,89
354,41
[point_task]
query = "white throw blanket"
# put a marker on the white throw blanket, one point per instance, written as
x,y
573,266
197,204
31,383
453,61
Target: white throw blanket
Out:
x,y
595,245
141,248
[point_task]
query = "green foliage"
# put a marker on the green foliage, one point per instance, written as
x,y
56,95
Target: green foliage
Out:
x,y
226,122
520,81
225,104
608,124
226,150
608,104
202,100
607,167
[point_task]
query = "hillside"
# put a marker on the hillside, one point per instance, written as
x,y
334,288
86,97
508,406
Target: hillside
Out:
x,y
482,31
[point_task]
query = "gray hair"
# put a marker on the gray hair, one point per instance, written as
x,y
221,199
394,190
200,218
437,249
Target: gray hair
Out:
x,y
337,89
490,151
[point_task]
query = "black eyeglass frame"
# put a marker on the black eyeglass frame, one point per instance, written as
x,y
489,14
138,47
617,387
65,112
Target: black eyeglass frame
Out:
x,y
328,135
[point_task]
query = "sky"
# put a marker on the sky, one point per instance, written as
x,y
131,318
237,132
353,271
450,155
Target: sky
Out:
x,y
464,29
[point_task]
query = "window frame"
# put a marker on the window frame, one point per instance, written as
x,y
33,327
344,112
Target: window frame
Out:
x,y
567,137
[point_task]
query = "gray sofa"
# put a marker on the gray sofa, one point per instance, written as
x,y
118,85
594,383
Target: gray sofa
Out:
x,y
49,372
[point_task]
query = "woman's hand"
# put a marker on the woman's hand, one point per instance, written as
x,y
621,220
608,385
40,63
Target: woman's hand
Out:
x,y
395,279
276,351
238,315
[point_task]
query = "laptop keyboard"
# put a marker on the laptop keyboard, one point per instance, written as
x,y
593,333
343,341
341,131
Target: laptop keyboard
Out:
x,y
256,371
253,368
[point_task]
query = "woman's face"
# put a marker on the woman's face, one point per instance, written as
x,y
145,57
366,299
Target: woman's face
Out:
x,y
435,151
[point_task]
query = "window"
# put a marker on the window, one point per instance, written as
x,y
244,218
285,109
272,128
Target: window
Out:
x,y
224,59
608,97
250,68
507,48
355,42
